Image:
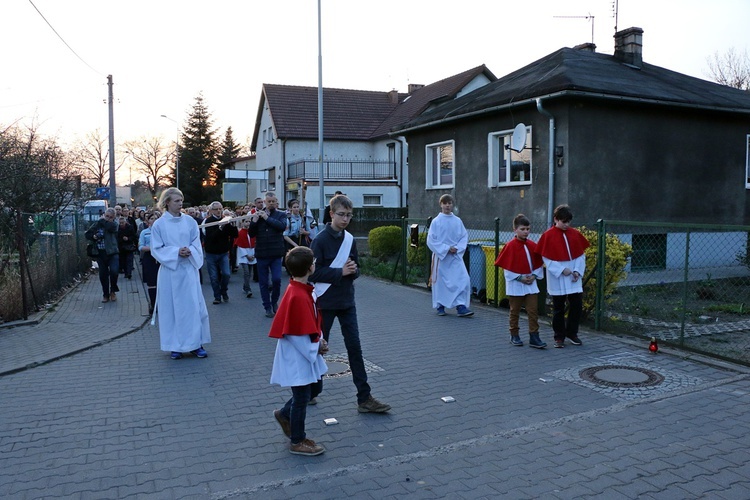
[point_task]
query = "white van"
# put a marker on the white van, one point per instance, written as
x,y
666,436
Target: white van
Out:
x,y
93,210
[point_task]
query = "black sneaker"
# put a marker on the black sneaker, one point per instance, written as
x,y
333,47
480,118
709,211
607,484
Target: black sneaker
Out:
x,y
249,295
225,297
269,313
372,405
217,301
559,344
575,340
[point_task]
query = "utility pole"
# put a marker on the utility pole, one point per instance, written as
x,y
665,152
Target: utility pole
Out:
x,y
321,214
112,181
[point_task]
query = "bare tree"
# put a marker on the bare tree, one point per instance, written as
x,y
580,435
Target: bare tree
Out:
x,y
91,158
153,157
37,174
732,69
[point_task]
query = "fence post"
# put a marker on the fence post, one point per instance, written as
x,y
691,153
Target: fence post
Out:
x,y
601,261
21,245
685,287
495,268
403,250
56,239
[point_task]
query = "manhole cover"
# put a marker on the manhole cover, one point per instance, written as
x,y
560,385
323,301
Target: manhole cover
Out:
x,y
621,376
337,368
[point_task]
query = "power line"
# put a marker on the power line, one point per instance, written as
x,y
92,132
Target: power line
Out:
x,y
63,40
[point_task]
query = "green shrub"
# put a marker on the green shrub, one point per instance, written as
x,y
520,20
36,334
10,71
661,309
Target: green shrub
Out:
x,y
418,256
614,268
385,241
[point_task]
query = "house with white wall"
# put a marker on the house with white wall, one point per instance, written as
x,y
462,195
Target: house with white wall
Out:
x,y
360,158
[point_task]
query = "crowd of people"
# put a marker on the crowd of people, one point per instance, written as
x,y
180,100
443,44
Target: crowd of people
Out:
x,y
174,243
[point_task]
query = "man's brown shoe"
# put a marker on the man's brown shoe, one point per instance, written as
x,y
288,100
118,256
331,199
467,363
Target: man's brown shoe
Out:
x,y
286,426
306,447
372,405
105,299
112,297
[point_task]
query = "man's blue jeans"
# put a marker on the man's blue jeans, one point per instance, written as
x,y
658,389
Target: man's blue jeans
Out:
x,y
218,273
272,265
350,331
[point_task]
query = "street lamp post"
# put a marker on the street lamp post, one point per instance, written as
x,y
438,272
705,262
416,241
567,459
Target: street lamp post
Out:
x,y
176,152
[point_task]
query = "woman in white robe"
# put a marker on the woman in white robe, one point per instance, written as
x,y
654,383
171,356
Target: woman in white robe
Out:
x,y
180,306
448,239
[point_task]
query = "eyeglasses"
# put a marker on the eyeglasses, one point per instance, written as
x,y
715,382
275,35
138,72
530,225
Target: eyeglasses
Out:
x,y
344,215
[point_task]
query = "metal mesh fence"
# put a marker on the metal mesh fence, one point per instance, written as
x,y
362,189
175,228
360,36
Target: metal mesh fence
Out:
x,y
40,254
685,285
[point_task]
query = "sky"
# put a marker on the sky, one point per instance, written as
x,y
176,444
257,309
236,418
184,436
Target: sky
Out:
x,y
163,53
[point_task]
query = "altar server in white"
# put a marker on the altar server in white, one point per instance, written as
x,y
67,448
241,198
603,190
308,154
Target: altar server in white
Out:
x,y
180,306
447,238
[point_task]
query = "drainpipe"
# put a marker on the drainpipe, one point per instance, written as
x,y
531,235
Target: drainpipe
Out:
x,y
401,161
551,181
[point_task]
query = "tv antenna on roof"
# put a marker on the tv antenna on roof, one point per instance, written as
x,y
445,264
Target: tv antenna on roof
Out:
x,y
580,17
615,12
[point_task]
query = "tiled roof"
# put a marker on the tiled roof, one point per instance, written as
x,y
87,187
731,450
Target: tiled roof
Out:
x,y
415,104
347,114
357,115
581,71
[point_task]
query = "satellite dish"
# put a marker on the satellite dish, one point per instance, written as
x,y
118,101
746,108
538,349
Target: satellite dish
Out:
x,y
518,140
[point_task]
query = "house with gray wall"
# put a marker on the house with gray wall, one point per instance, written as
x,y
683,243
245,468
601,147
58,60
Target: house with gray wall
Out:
x,y
610,135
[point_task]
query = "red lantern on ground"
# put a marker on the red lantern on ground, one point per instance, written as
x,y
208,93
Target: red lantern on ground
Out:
x,y
653,346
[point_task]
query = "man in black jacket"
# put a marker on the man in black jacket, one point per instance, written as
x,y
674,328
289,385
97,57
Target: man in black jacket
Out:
x,y
267,227
104,234
218,241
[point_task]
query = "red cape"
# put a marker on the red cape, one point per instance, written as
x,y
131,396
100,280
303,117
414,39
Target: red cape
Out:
x,y
552,245
297,313
242,240
513,258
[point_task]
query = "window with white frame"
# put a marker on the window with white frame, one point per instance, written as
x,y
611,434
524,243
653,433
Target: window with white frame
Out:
x,y
507,167
372,200
439,164
747,163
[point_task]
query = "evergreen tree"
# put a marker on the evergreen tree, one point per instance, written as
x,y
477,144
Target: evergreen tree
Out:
x,y
228,151
199,167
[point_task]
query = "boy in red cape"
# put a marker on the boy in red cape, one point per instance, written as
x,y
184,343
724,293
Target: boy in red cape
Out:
x,y
298,362
522,267
563,250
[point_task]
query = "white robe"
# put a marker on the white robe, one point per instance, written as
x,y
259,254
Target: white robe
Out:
x,y
297,362
451,285
180,306
557,282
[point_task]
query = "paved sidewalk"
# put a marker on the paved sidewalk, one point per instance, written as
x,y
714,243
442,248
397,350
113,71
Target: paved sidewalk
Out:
x,y
75,323
123,420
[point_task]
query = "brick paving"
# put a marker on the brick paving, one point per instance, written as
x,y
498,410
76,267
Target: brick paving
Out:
x,y
114,417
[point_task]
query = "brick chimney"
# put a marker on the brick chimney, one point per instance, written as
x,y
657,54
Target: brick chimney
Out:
x,y
629,46
587,47
393,96
413,87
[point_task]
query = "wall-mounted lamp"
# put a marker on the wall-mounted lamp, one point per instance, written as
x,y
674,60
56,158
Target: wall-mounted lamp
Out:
x,y
559,154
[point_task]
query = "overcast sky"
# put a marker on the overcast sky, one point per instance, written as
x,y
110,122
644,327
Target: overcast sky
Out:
x,y
163,53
